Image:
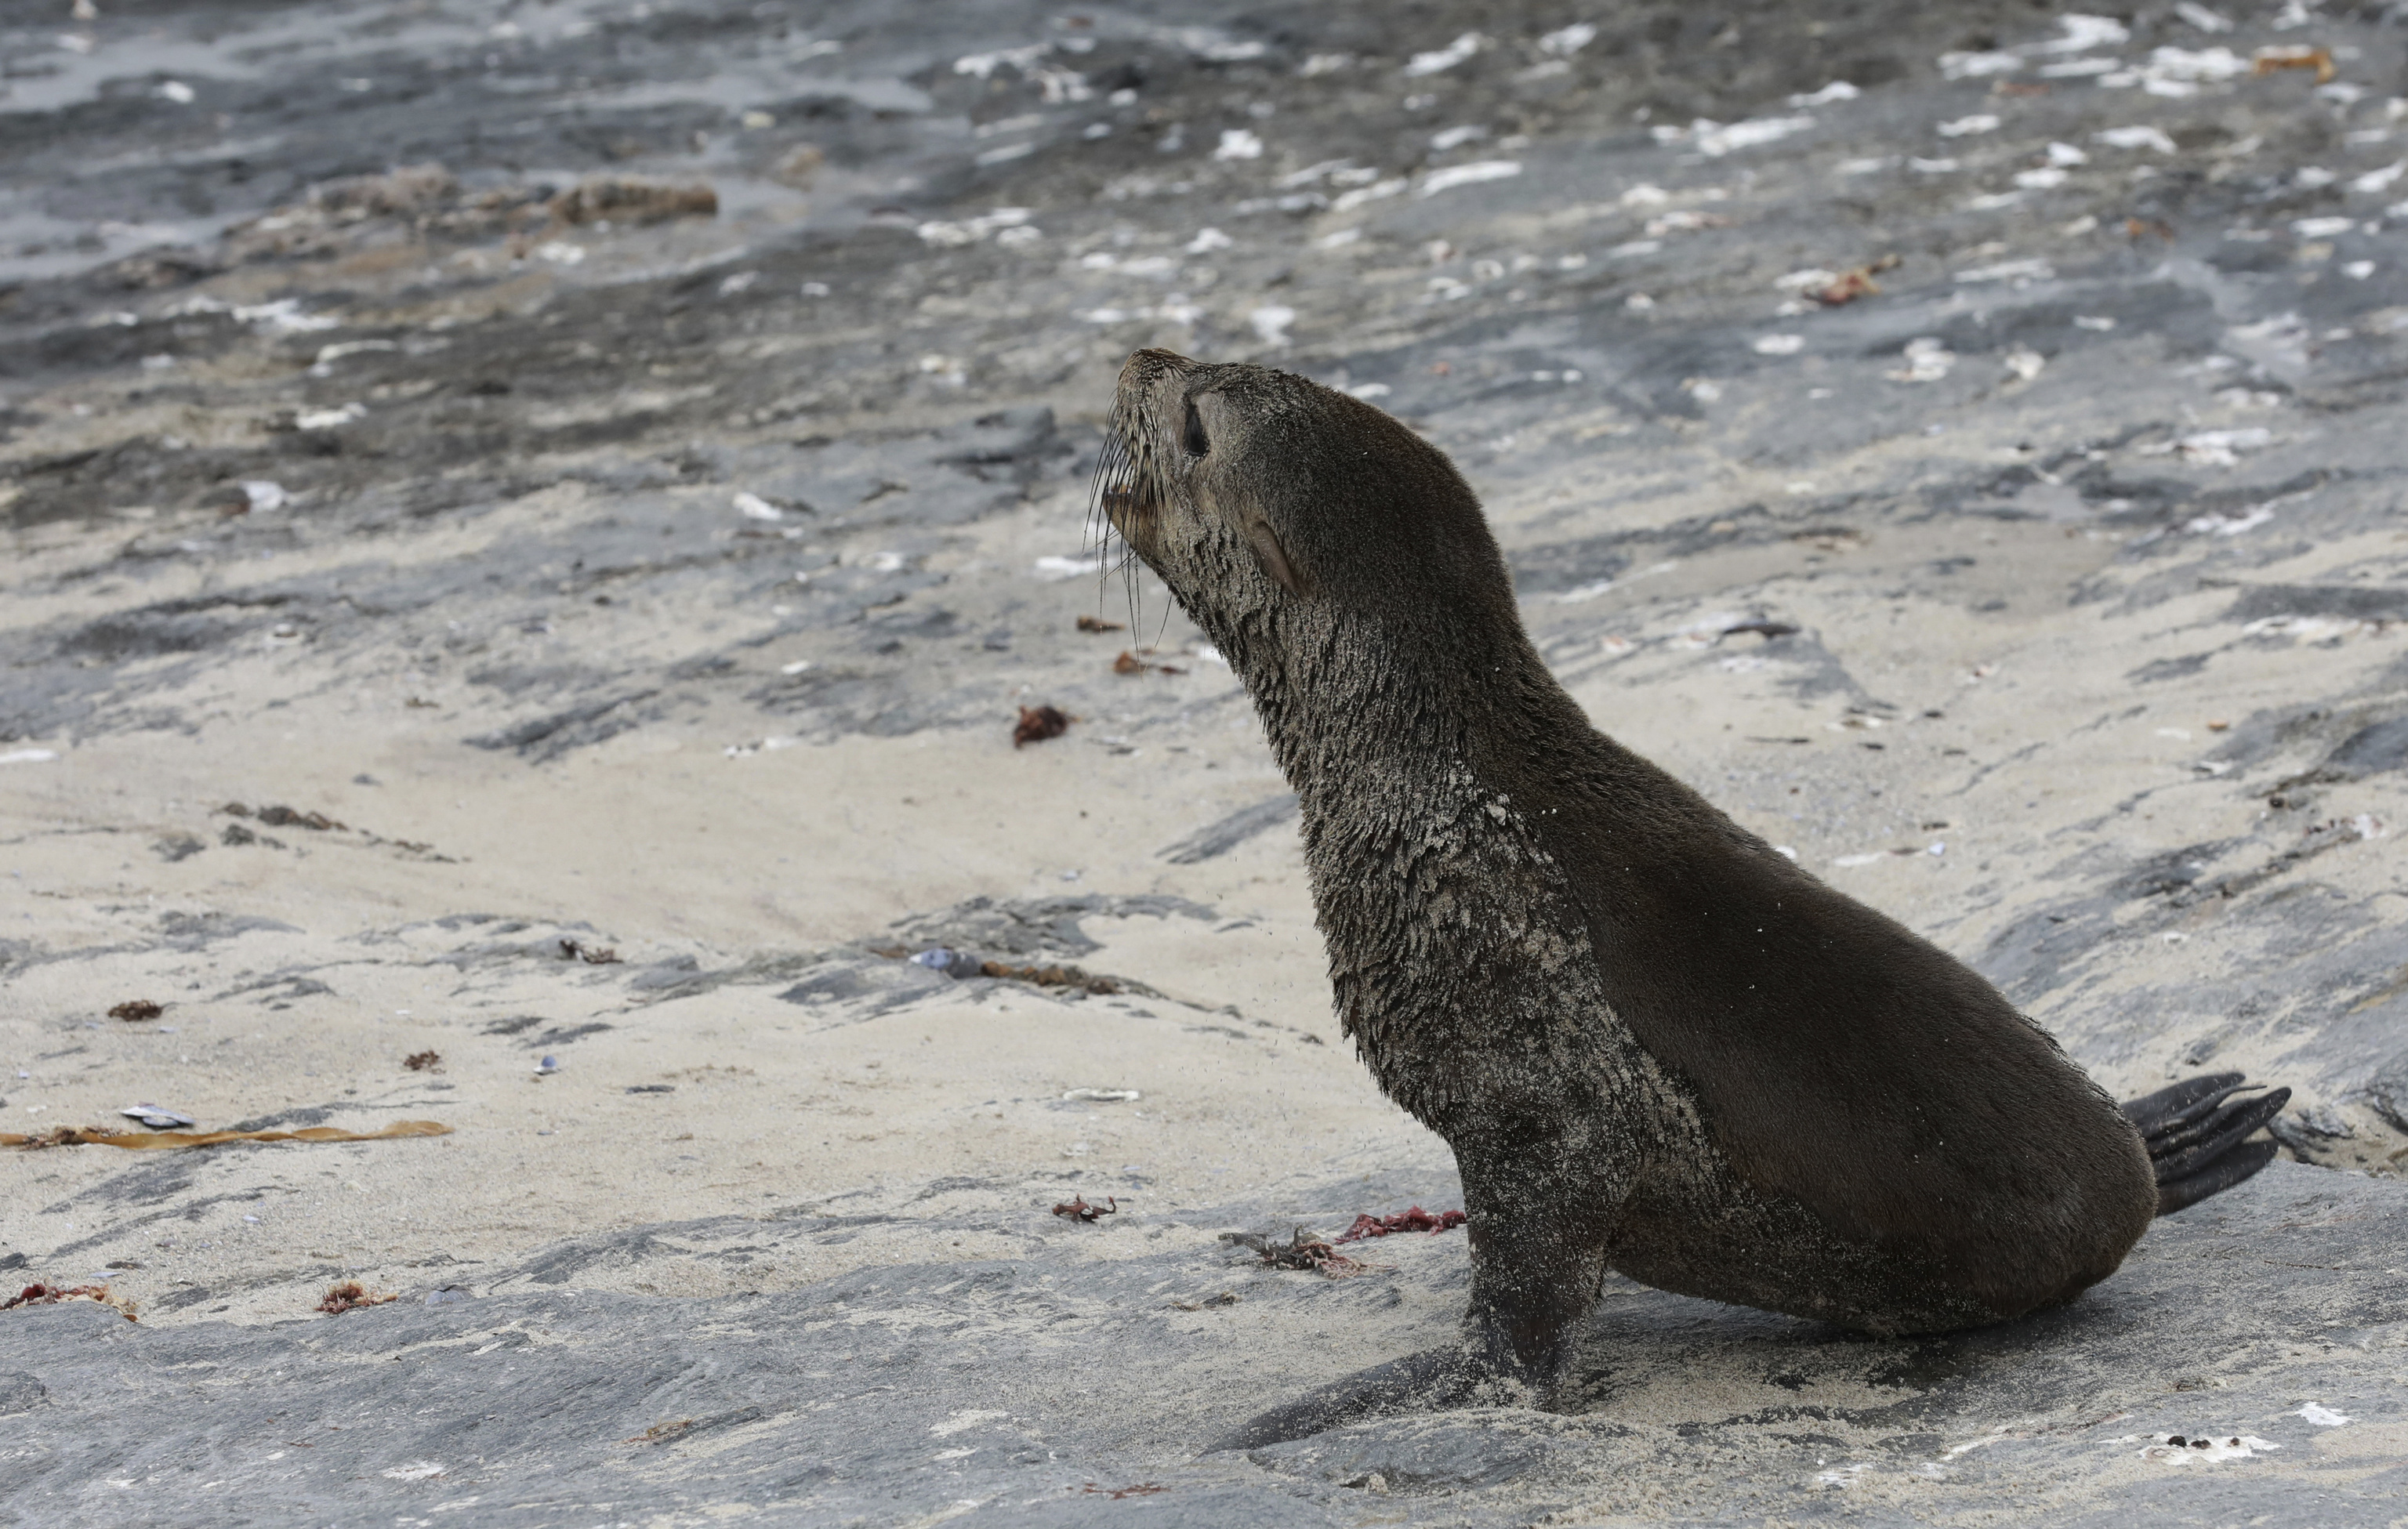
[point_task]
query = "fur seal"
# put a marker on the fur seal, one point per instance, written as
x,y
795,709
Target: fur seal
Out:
x,y
1654,1044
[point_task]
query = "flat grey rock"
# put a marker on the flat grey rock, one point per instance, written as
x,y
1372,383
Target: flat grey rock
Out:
x,y
1029,1389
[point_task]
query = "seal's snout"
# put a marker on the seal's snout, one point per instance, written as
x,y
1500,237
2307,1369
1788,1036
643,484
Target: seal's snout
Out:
x,y
1129,477
1121,482
1126,493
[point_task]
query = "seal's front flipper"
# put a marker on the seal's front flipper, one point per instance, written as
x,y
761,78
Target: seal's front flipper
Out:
x,y
2195,1131
1429,1382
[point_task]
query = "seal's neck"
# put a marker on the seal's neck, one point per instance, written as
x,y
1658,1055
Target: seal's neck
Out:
x,y
1347,700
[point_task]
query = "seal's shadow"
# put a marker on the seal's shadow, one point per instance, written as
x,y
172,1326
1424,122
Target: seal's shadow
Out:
x,y
1700,1364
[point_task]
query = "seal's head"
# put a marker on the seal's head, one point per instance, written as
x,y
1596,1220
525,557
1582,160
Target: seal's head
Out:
x,y
1274,506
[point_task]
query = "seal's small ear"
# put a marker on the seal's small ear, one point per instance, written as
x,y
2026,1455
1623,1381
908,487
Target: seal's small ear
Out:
x,y
1272,558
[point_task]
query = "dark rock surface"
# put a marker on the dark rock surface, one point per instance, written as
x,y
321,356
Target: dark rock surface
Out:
x,y
1061,1387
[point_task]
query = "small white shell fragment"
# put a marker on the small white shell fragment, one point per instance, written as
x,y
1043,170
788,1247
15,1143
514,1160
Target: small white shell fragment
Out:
x,y
1239,143
2008,270
984,64
2229,525
2222,447
1569,41
1467,175
1976,66
1269,322
2084,32
156,1117
1444,58
2181,66
1103,1096
755,507
2135,137
329,354
1715,139
1927,361
1348,201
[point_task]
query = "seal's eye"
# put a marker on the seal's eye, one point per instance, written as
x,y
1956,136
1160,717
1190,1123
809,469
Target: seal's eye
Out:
x,y
1194,439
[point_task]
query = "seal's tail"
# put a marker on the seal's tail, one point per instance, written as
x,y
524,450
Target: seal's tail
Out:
x,y
2195,1133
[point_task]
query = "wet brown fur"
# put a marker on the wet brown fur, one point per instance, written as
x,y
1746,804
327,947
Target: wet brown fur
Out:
x,y
1654,1043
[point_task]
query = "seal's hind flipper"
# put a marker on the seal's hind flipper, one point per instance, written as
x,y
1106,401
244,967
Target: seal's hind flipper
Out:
x,y
2231,1168
2195,1132
1429,1382
2178,1105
